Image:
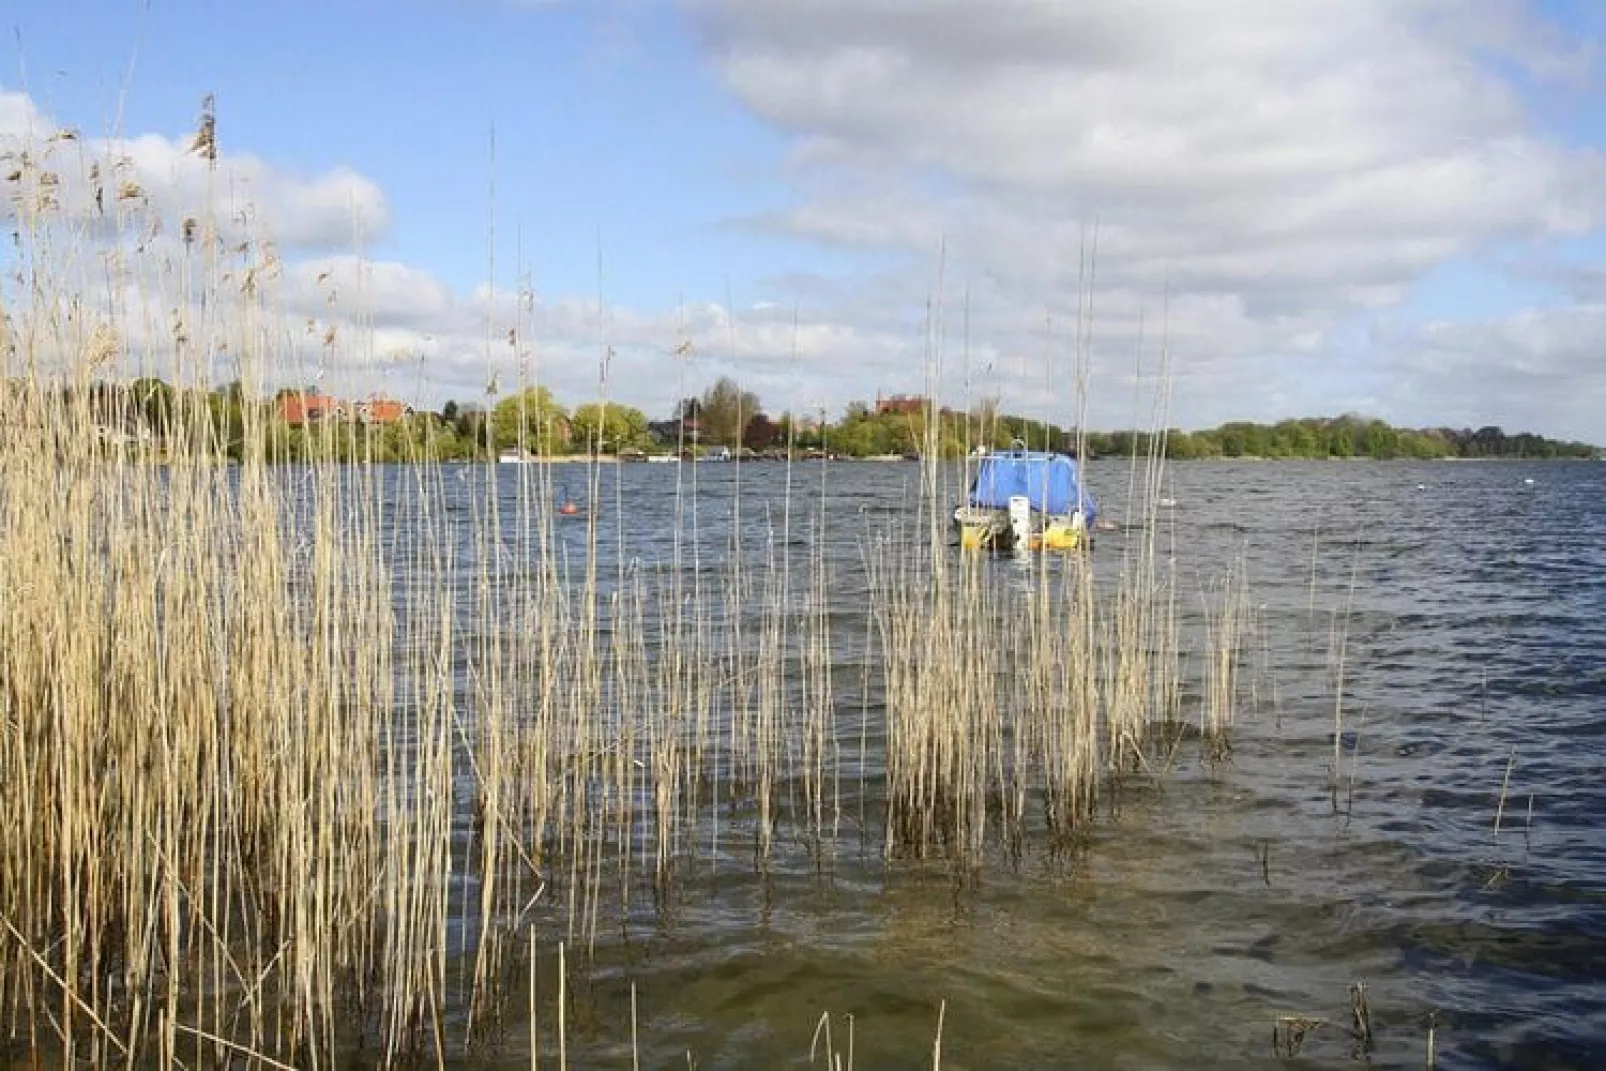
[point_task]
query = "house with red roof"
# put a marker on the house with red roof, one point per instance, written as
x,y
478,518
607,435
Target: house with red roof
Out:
x,y
297,408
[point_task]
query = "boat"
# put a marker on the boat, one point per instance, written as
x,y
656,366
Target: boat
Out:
x,y
516,457
1027,500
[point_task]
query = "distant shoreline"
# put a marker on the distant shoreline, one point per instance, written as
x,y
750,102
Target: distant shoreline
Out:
x,y
612,460
1375,460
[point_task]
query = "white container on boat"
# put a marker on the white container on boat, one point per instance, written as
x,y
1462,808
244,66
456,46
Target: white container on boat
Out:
x,y
1020,519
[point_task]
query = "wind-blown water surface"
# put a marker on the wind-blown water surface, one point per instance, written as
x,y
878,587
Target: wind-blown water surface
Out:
x,y
1461,607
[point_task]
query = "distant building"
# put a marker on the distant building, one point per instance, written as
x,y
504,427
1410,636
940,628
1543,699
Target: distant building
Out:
x,y
379,410
901,404
297,408
673,432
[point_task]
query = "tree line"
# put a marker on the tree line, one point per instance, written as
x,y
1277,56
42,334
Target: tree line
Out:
x,y
727,416
1345,436
862,432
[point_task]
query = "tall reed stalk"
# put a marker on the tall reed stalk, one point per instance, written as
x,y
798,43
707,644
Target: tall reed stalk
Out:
x,y
311,759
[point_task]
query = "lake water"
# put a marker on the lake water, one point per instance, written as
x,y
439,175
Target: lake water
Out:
x,y
1468,599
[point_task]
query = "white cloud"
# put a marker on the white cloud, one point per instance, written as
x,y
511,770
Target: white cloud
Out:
x,y
1261,179
19,116
1534,368
1281,169
357,326
107,182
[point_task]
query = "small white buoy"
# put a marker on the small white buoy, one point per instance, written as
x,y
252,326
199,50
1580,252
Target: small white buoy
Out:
x,y
1421,487
1528,480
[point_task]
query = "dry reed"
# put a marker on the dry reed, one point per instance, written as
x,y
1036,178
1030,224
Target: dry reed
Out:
x,y
310,759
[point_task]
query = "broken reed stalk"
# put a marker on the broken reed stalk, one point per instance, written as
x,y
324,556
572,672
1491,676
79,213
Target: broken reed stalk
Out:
x,y
1505,787
1228,623
1361,1017
1339,642
1290,1032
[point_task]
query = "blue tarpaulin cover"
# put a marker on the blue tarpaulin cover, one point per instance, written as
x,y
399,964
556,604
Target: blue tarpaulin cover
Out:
x,y
1051,481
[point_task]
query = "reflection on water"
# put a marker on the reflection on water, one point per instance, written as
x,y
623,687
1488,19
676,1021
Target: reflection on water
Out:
x,y
1468,605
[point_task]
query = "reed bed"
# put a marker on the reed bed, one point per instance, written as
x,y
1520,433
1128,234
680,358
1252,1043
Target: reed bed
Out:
x,y
308,761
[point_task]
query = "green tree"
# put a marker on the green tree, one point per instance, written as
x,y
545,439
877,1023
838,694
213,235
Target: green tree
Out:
x,y
786,430
1257,440
472,426
531,420
226,411
854,438
1379,441
1294,438
725,410
1181,445
1341,441
608,428
153,401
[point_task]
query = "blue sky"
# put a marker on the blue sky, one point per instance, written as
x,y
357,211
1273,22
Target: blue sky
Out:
x,y
1393,207
607,130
